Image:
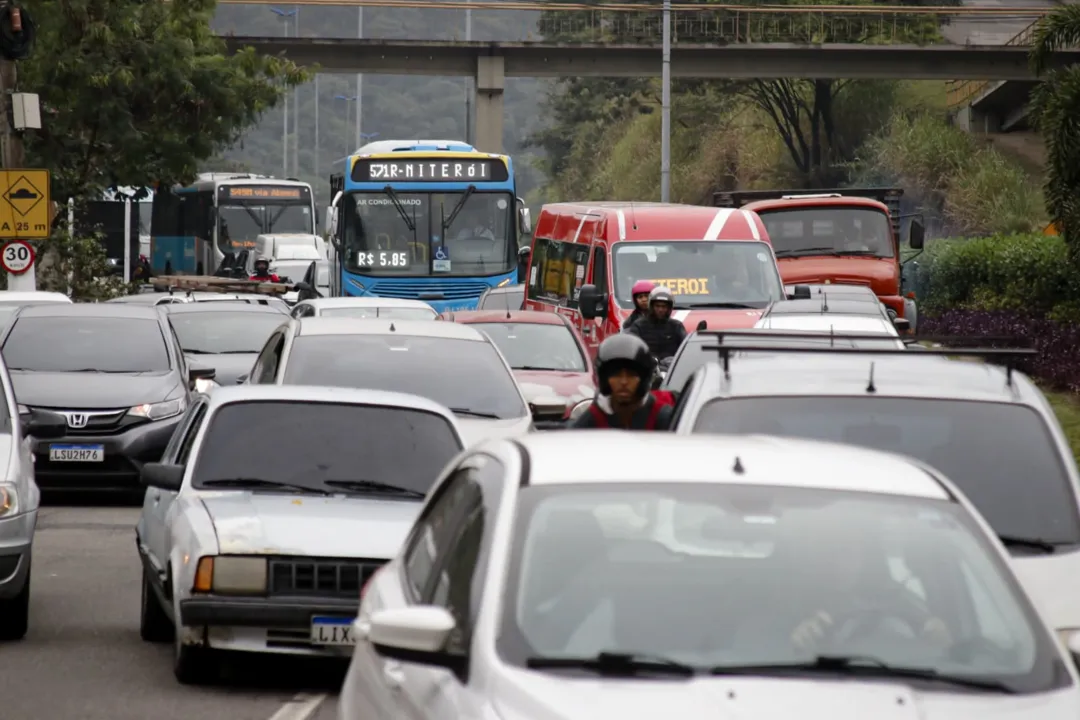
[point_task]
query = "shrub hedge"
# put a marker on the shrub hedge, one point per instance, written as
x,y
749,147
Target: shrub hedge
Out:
x,y
1006,285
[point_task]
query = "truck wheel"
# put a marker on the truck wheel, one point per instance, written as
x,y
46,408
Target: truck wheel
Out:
x,y
154,624
15,613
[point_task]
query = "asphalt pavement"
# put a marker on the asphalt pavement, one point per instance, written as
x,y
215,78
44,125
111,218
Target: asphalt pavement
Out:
x,y
83,658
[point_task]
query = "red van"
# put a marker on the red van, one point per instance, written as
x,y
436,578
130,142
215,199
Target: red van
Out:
x,y
586,256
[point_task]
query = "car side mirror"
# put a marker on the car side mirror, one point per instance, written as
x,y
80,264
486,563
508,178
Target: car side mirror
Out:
x,y
902,325
800,292
241,379
45,425
200,373
1073,646
414,634
591,302
916,235
547,409
162,475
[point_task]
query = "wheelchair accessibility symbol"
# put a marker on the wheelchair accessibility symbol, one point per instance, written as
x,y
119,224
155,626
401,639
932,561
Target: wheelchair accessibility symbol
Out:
x,y
440,253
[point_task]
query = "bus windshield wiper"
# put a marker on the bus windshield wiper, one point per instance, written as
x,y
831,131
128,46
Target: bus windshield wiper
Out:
x,y
616,664
374,486
457,208
401,209
248,483
862,666
1038,544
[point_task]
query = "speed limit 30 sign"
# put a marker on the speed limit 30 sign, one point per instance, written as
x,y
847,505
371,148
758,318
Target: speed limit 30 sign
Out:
x,y
17,257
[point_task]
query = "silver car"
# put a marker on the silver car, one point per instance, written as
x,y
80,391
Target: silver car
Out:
x,y
987,427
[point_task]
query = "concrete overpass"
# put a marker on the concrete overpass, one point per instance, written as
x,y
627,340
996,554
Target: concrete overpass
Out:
x,y
490,62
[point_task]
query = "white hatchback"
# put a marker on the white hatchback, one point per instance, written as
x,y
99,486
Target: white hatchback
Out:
x,y
600,575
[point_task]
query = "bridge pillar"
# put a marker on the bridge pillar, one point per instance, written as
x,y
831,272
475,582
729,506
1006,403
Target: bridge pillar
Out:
x,y
490,82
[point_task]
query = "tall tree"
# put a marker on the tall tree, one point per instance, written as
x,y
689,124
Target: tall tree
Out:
x,y
1056,108
137,92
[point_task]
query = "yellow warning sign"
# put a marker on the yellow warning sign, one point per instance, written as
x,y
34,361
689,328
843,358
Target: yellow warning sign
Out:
x,y
25,206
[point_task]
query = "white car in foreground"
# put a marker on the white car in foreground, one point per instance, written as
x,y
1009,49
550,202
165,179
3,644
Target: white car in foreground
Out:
x,y
271,508
365,307
851,585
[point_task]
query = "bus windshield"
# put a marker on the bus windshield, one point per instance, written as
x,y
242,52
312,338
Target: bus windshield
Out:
x,y
828,231
241,223
430,233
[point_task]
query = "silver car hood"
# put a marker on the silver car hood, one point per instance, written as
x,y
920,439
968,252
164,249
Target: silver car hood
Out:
x,y
279,524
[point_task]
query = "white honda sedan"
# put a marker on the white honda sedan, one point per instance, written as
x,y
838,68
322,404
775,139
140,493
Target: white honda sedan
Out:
x,y
792,579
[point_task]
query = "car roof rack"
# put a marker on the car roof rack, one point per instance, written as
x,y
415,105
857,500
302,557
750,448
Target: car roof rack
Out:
x,y
211,283
1010,356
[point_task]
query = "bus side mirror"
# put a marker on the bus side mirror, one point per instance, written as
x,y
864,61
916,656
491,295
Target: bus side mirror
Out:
x,y
331,223
524,218
916,235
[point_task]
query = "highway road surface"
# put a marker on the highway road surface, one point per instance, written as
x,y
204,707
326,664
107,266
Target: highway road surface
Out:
x,y
83,658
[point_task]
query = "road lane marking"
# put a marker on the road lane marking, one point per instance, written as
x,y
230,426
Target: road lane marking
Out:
x,y
301,707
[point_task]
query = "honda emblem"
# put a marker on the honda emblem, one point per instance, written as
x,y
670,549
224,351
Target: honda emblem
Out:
x,y
76,420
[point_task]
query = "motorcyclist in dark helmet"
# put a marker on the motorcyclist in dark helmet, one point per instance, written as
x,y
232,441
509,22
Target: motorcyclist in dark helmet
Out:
x,y
625,370
640,294
661,332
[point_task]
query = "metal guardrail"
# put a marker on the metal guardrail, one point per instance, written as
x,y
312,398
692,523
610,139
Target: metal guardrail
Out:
x,y
707,22
961,92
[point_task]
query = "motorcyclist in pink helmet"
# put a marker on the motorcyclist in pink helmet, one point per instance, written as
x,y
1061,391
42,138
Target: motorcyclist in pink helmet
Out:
x,y
640,293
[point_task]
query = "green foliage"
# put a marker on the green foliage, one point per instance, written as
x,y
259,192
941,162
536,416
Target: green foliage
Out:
x,y
973,187
1027,273
1056,108
75,266
137,92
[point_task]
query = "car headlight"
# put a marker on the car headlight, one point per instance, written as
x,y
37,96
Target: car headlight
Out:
x,y
580,409
9,500
231,575
160,410
205,385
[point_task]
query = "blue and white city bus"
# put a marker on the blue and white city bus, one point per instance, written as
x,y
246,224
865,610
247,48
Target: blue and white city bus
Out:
x,y
433,220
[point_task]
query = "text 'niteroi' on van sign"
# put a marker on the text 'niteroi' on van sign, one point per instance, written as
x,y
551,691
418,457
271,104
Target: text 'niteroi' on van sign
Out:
x,y
430,170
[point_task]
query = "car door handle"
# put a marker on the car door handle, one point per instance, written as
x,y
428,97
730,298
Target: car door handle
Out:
x,y
393,675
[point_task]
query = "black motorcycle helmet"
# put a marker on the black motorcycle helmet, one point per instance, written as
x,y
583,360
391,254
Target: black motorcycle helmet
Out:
x,y
625,352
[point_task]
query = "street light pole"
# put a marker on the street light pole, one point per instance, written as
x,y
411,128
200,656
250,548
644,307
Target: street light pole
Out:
x,y
296,105
359,79
285,96
316,125
665,111
468,82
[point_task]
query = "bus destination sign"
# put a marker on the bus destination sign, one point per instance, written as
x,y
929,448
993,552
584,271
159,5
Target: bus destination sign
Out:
x,y
263,192
455,170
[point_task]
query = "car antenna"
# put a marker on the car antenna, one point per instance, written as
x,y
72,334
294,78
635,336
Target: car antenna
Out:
x,y
392,328
633,217
738,468
824,303
832,336
870,388
506,301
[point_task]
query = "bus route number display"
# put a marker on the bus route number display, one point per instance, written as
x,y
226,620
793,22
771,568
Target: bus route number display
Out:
x,y
455,170
262,192
382,259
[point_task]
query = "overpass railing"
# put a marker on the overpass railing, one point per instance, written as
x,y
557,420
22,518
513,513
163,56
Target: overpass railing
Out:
x,y
962,92
699,22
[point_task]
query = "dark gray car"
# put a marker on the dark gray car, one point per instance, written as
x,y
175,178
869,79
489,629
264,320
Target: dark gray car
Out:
x,y
224,336
115,372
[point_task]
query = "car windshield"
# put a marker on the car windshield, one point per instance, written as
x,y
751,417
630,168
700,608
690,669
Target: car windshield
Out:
x,y
374,311
464,375
705,273
725,576
503,300
534,346
305,444
828,231
692,355
224,332
86,343
1001,456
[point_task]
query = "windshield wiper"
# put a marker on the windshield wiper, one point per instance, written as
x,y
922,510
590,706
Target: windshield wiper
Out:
x,y
807,251
721,305
474,413
401,209
617,664
255,483
222,352
447,222
374,486
1043,546
535,367
863,666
